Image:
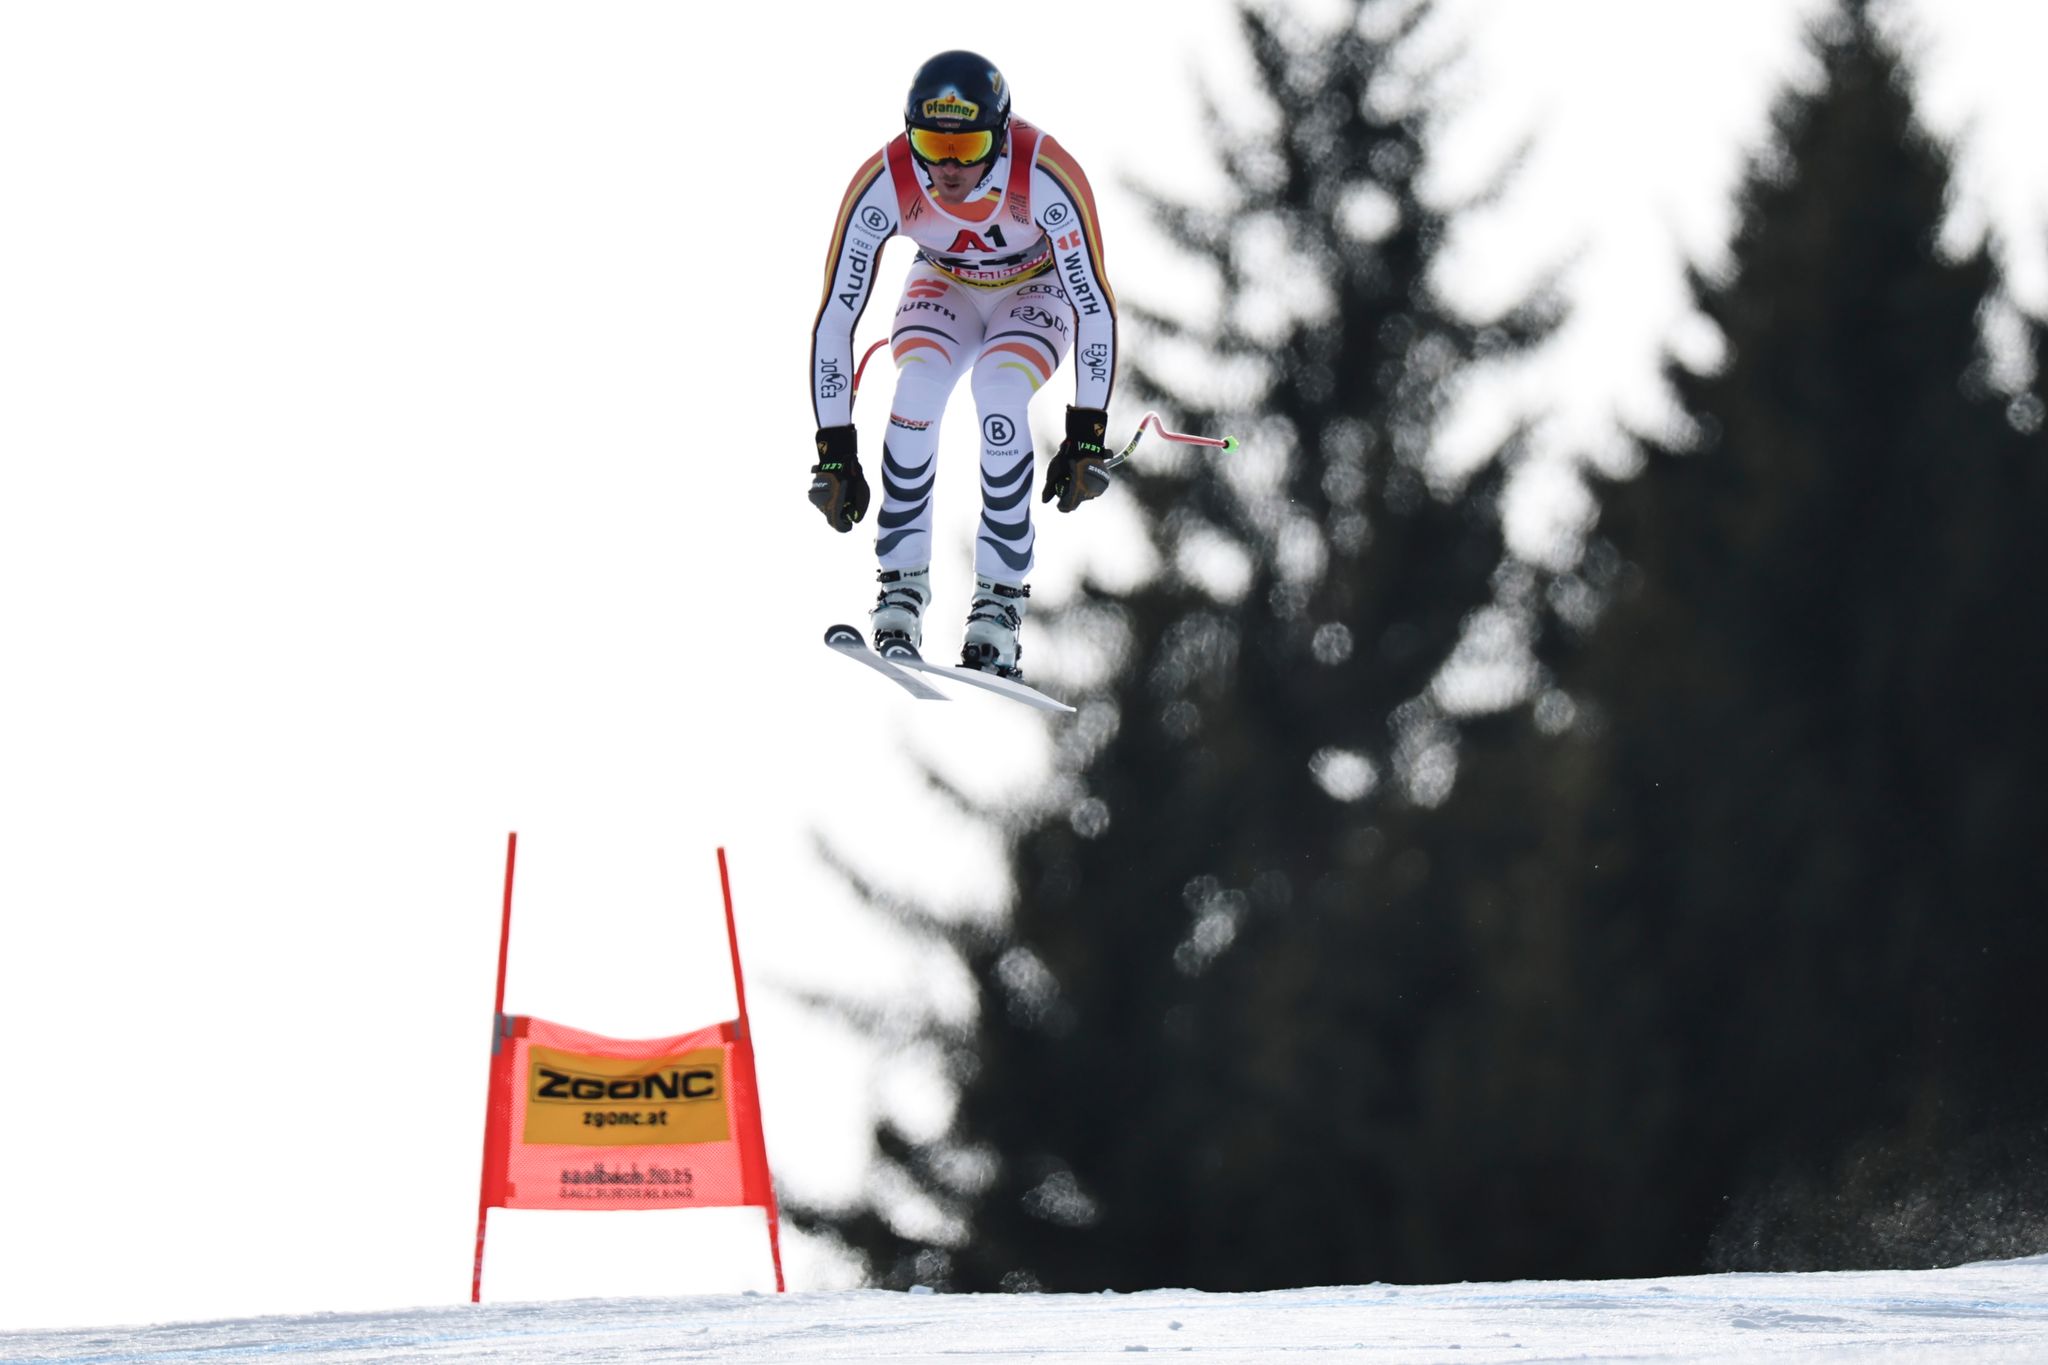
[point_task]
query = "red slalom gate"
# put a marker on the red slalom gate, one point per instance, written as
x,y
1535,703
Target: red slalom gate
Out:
x,y
577,1121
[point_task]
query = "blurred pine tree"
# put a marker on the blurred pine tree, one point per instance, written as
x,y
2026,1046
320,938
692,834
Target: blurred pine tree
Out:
x,y
1792,863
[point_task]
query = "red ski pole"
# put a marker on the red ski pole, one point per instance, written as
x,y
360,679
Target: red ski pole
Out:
x,y
1226,444
862,368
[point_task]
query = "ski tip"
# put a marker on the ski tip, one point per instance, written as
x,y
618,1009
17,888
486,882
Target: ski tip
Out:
x,y
844,635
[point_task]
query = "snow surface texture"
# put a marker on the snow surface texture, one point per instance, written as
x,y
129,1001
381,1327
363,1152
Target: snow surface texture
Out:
x,y
1993,1311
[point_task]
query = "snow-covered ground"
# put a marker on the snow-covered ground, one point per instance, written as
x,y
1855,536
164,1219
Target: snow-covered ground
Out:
x,y
1992,1311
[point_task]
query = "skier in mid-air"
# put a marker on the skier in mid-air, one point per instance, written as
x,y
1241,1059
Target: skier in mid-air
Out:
x,y
1008,277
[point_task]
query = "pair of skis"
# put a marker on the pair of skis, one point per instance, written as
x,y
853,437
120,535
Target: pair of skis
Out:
x,y
903,666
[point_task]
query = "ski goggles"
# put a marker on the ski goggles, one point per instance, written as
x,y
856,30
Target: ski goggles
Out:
x,y
931,146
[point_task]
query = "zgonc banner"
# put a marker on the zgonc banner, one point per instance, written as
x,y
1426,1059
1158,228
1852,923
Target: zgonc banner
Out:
x,y
580,1121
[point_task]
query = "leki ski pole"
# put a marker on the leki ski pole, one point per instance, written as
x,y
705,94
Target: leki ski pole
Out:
x,y
1226,444
862,368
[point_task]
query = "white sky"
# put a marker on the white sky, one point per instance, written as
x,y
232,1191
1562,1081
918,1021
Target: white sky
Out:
x,y
404,429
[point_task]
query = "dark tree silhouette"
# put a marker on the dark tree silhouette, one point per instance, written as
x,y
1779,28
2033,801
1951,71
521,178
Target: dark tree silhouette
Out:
x,y
1787,889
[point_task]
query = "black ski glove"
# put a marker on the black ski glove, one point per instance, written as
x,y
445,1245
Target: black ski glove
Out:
x,y
838,488
1076,474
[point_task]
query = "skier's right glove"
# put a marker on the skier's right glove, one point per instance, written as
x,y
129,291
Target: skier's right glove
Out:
x,y
838,488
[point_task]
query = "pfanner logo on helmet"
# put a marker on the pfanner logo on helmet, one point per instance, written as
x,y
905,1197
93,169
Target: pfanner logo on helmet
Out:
x,y
951,104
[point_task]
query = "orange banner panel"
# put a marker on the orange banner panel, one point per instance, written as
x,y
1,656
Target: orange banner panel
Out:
x,y
580,1121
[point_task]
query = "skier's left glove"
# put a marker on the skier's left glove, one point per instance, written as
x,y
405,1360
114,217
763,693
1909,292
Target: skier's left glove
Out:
x,y
838,488
1077,473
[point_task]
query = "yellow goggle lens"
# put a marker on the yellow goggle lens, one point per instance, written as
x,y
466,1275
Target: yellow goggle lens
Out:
x,y
965,148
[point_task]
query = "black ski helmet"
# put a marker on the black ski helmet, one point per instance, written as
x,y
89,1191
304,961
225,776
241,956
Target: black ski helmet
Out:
x,y
959,92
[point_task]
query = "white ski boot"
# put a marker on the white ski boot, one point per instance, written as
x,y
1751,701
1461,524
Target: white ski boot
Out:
x,y
992,622
899,611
